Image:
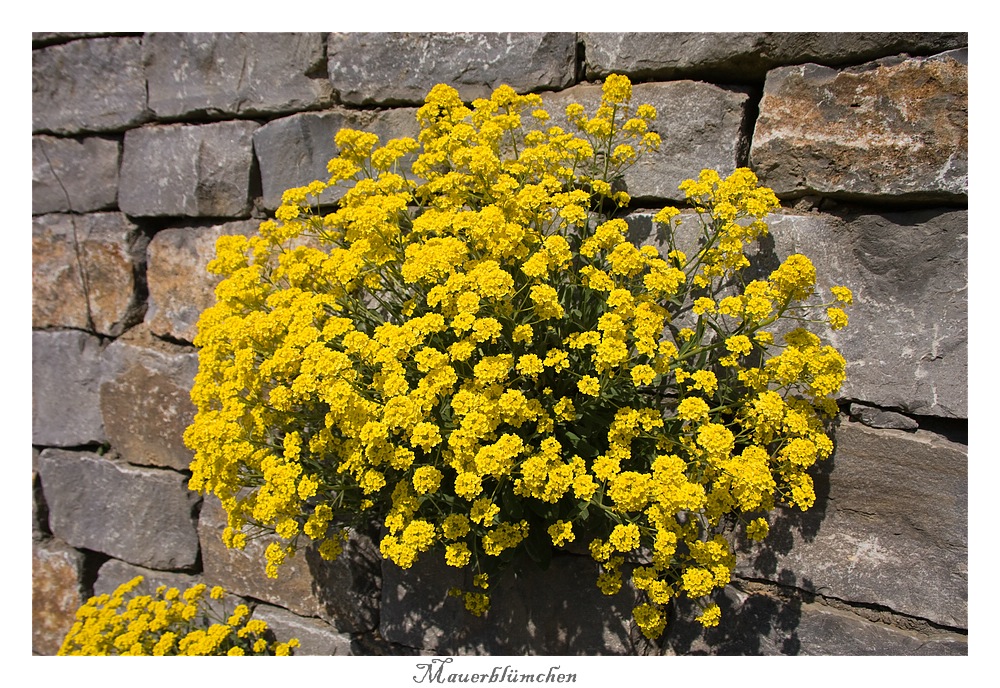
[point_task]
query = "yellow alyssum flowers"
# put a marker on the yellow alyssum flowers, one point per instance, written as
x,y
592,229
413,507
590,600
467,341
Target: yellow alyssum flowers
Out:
x,y
168,622
468,349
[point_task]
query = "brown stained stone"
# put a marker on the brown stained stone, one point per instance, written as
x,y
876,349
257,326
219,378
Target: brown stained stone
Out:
x,y
56,571
180,287
145,399
897,127
343,593
86,272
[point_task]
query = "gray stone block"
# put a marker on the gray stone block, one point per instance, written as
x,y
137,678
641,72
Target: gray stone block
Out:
x,y
745,57
145,399
86,272
94,84
78,175
879,418
144,516
293,151
187,170
180,288
316,638
894,128
760,623
344,592
243,74
114,573
907,341
700,126
387,68
890,527
66,373
56,574
556,611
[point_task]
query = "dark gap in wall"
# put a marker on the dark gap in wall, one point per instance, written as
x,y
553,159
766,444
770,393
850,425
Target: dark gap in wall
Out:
x,y
47,39
41,520
952,429
92,563
580,73
750,114
844,204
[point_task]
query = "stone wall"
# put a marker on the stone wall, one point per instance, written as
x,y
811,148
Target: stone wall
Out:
x,y
146,148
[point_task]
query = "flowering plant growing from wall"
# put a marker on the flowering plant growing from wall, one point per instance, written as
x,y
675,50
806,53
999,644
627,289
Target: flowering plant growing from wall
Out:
x,y
469,351
168,622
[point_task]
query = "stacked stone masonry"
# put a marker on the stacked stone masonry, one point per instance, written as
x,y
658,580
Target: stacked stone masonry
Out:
x,y
147,148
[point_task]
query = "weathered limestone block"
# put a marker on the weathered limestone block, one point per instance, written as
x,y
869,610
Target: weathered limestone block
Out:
x,y
896,127
744,57
293,151
557,611
88,85
187,170
114,573
56,572
344,592
389,68
145,399
79,175
86,272
315,637
906,344
700,126
66,374
765,624
235,73
144,516
890,527
180,287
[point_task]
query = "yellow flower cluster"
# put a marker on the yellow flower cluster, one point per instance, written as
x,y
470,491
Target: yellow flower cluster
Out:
x,y
469,349
168,622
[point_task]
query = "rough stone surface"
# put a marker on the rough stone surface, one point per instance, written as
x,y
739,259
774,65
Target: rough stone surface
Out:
x,y
559,611
66,373
114,573
56,571
741,57
765,624
897,127
180,288
187,170
294,151
891,506
402,67
244,74
79,175
343,592
878,418
86,272
906,344
315,637
145,400
700,126
144,516
88,85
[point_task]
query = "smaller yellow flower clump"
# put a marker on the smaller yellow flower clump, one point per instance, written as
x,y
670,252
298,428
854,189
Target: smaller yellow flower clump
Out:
x,y
468,349
168,622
